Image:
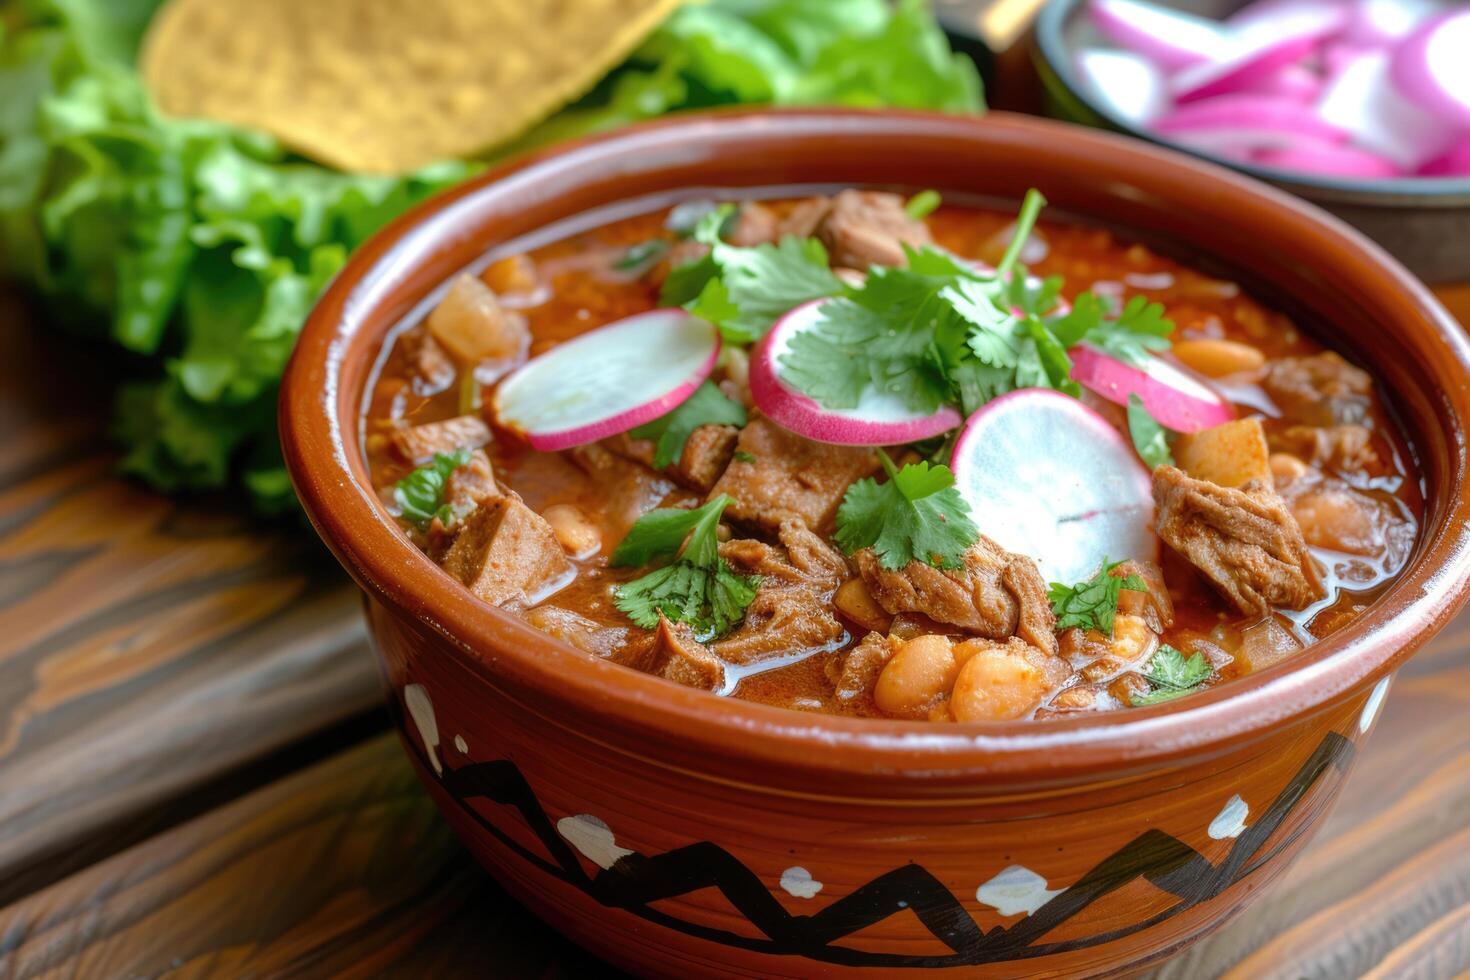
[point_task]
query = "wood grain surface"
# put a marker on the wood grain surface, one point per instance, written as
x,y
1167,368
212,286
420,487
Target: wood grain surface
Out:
x,y
166,667
147,647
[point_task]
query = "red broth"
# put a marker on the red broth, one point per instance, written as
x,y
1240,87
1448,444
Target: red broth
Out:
x,y
573,285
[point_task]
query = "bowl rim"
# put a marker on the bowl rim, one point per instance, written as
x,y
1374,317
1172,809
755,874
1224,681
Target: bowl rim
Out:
x,y
1055,53
639,712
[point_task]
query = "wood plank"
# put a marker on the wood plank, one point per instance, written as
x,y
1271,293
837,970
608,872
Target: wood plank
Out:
x,y
346,868
147,646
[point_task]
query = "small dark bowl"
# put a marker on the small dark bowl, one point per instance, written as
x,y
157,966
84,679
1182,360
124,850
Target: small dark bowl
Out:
x,y
1423,222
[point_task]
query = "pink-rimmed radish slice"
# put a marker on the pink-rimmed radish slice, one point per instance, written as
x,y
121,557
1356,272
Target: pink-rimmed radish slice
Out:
x,y
1455,162
1127,85
608,380
1432,68
1363,99
1386,22
1256,50
879,419
1170,38
1048,477
1328,160
1254,120
1172,396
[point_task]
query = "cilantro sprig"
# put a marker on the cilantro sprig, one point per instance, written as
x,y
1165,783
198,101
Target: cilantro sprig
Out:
x,y
1173,675
743,290
707,406
698,588
420,495
918,514
1150,438
940,330
1092,605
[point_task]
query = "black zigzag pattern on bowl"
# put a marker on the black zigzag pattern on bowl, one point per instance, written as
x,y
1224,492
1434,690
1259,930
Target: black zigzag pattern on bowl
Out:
x,y
636,881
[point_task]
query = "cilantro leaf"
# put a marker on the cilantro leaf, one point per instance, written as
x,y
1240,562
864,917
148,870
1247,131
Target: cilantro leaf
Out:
x,y
1173,675
1149,437
879,337
707,406
1137,330
1092,605
712,600
420,495
917,515
699,587
743,290
658,534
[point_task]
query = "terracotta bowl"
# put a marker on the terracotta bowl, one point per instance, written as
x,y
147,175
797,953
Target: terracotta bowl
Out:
x,y
677,834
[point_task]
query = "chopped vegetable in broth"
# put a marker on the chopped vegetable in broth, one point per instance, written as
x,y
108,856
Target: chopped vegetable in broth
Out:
x,y
892,458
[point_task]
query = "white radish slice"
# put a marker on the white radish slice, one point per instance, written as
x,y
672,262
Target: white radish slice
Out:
x,y
1363,99
1127,85
1432,68
608,380
1172,396
1170,38
1386,22
1453,163
879,419
1258,49
1046,476
1251,119
1329,160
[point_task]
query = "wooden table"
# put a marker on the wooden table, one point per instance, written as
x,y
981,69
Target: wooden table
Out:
x,y
196,777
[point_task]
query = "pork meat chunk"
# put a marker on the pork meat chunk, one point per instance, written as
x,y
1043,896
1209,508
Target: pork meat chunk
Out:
x,y
854,672
465,489
995,593
1322,389
707,452
781,619
679,657
419,443
859,228
1244,540
507,554
777,476
807,559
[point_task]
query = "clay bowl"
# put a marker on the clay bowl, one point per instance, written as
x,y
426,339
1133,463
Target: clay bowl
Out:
x,y
677,834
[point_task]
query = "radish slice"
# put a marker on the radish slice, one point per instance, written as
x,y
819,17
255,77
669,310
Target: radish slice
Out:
x,y
1363,99
1258,49
1127,85
1253,119
608,380
1327,159
1454,163
1432,68
1171,395
1170,38
880,419
1386,22
1048,477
